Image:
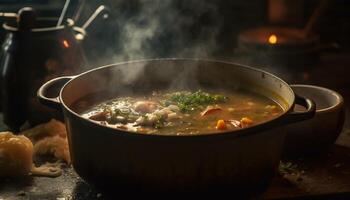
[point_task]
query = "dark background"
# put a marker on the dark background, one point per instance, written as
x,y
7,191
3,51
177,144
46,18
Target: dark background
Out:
x,y
204,28
196,23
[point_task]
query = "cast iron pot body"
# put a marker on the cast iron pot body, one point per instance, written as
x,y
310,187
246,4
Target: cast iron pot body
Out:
x,y
240,162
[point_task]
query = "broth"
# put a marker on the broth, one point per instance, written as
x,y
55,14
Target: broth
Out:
x,y
184,112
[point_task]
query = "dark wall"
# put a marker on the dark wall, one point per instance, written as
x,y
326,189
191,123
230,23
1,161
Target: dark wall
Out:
x,y
179,27
185,27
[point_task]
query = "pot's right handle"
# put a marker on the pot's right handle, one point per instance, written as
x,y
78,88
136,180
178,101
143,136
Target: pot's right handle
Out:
x,y
52,102
296,116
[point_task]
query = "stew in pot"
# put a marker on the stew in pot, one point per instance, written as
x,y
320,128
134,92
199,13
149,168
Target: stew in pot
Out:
x,y
185,112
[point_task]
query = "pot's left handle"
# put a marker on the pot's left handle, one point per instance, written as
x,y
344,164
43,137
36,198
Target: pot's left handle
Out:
x,y
52,100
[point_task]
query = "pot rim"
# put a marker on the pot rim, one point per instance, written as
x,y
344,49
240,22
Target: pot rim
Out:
x,y
255,129
69,23
339,98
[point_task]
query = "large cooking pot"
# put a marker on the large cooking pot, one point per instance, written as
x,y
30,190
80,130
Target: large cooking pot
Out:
x,y
240,162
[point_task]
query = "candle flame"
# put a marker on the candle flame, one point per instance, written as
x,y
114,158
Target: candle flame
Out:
x,y
273,39
65,44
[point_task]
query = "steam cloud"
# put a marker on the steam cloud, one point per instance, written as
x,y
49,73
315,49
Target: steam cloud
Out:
x,y
162,28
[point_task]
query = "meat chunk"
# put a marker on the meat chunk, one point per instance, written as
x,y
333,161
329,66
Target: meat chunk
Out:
x,y
210,110
101,116
145,106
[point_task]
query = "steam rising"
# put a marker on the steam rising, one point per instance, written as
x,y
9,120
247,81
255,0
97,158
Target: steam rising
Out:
x,y
160,28
165,28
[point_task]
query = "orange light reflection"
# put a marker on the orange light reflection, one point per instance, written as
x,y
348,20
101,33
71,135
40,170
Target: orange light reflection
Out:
x,y
65,44
273,39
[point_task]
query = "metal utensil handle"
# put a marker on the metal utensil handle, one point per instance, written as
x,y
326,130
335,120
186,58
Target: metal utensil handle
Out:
x,y
63,13
53,102
93,16
6,14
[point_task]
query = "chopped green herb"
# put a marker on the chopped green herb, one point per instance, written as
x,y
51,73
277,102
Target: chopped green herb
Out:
x,y
188,101
160,123
287,168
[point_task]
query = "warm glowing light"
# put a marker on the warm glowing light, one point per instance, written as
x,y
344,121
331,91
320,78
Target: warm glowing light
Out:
x,y
79,36
273,39
65,43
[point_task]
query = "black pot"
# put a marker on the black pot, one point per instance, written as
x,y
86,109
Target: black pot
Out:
x,y
239,162
30,58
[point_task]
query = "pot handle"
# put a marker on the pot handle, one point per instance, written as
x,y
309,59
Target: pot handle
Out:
x,y
296,116
52,102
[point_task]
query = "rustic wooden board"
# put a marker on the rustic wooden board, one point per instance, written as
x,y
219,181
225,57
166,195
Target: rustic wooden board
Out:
x,y
327,175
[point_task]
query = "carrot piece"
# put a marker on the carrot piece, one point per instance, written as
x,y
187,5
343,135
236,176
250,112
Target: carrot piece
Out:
x,y
221,125
245,121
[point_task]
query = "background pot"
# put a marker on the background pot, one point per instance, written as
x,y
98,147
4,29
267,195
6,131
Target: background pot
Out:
x,y
317,135
31,57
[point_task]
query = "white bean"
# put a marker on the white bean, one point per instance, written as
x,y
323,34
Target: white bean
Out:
x,y
172,116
